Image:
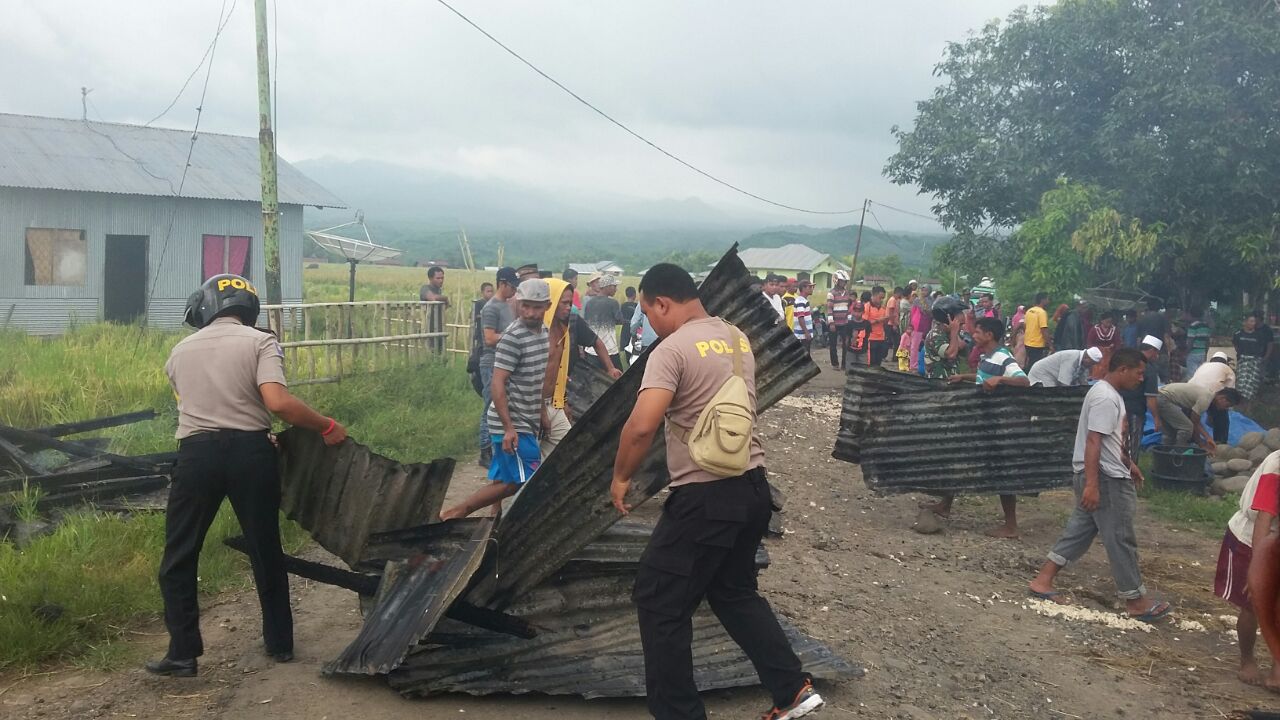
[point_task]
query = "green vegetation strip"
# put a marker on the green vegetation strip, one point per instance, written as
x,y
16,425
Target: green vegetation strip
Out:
x,y
70,596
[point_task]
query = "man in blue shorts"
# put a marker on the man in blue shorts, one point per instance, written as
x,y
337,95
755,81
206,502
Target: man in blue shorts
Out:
x,y
517,414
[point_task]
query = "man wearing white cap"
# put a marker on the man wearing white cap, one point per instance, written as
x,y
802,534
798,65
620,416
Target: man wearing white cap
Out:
x,y
1217,375
1065,368
1138,402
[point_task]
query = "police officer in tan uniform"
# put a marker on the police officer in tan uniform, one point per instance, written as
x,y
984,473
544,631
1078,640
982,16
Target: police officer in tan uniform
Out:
x,y
229,380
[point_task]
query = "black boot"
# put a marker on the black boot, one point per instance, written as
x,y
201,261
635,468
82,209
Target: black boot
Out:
x,y
172,668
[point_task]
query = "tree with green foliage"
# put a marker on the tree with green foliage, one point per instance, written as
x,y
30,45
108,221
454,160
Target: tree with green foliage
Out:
x,y
1166,115
890,266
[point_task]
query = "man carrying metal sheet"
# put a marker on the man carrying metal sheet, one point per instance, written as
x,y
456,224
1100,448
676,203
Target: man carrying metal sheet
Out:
x,y
704,545
229,380
996,367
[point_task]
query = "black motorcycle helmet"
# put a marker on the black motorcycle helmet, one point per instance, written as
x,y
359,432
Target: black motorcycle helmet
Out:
x,y
223,295
948,307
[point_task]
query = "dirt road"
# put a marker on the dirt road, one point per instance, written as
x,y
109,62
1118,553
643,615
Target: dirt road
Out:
x,y
941,622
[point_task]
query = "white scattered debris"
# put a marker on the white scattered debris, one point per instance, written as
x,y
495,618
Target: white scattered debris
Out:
x,y
1082,614
824,406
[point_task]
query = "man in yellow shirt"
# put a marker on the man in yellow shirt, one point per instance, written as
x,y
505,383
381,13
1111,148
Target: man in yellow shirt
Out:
x,y
1036,336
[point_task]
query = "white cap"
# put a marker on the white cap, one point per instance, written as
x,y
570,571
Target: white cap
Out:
x,y
1094,354
607,280
1219,356
913,282
1153,341
842,275
534,290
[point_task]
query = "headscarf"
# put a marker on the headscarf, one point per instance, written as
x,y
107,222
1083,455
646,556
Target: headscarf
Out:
x,y
558,288
1060,312
1019,316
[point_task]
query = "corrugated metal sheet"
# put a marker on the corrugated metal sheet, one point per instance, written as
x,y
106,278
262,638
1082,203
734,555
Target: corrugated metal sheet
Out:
x,y
412,598
343,494
568,506
588,644
913,434
174,266
59,154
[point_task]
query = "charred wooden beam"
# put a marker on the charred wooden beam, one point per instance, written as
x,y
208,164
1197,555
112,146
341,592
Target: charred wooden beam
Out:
x,y
366,584
101,490
34,439
95,424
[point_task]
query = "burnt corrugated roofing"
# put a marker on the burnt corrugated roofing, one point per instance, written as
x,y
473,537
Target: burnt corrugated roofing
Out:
x,y
914,434
83,155
567,505
588,644
343,494
412,598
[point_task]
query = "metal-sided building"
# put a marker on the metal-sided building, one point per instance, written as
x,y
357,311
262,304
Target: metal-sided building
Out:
x,y
98,223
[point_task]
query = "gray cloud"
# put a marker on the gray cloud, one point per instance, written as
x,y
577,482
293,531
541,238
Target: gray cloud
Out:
x,y
791,100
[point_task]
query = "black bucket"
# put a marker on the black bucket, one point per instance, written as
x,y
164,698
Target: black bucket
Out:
x,y
1179,468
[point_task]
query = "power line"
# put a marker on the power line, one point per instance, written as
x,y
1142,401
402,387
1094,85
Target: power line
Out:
x,y
905,212
208,51
635,134
191,146
888,236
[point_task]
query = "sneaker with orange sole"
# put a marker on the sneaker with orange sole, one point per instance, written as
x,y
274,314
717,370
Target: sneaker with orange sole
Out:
x,y
807,701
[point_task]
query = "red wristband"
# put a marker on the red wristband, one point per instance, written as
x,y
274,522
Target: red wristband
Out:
x,y
332,424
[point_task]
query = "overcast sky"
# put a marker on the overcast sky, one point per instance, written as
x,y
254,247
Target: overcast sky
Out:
x,y
791,100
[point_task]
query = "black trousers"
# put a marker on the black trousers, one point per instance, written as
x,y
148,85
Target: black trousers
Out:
x,y
1221,421
1035,355
879,349
704,546
240,466
839,342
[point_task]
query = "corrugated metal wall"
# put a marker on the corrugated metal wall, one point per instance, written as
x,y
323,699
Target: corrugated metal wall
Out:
x,y
49,309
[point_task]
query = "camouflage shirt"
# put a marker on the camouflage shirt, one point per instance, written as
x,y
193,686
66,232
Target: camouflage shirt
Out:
x,y
935,354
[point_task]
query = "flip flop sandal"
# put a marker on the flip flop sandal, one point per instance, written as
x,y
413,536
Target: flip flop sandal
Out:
x,y
1154,613
1053,596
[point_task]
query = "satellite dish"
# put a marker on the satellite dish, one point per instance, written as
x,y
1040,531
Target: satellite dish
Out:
x,y
355,251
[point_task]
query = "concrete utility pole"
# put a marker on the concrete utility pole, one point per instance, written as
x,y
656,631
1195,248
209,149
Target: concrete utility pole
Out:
x,y
267,157
857,247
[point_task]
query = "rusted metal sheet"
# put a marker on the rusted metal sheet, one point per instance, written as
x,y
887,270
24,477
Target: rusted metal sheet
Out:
x,y
412,598
343,494
914,434
568,506
588,644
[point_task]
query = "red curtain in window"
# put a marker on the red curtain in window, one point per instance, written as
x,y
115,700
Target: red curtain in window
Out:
x,y
215,253
238,256
223,254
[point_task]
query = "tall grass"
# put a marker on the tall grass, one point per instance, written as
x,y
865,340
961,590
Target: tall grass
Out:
x,y
71,595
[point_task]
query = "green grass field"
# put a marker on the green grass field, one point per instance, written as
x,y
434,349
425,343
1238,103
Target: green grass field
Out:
x,y
69,597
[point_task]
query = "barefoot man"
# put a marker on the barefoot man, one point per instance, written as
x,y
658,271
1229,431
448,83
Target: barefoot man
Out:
x,y
1106,486
516,415
1249,527
996,368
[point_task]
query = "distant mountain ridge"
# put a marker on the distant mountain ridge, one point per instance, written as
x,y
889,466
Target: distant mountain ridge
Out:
x,y
423,211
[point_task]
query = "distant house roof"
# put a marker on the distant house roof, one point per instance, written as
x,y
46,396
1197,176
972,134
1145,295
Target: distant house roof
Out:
x,y
58,154
787,257
608,266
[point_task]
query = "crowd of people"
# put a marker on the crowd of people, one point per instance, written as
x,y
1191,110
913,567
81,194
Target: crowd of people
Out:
x,y
535,332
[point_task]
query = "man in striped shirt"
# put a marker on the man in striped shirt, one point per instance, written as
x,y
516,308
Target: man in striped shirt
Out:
x,y
517,414
802,315
997,367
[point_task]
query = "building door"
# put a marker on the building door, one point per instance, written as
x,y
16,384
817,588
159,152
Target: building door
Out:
x,y
124,279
